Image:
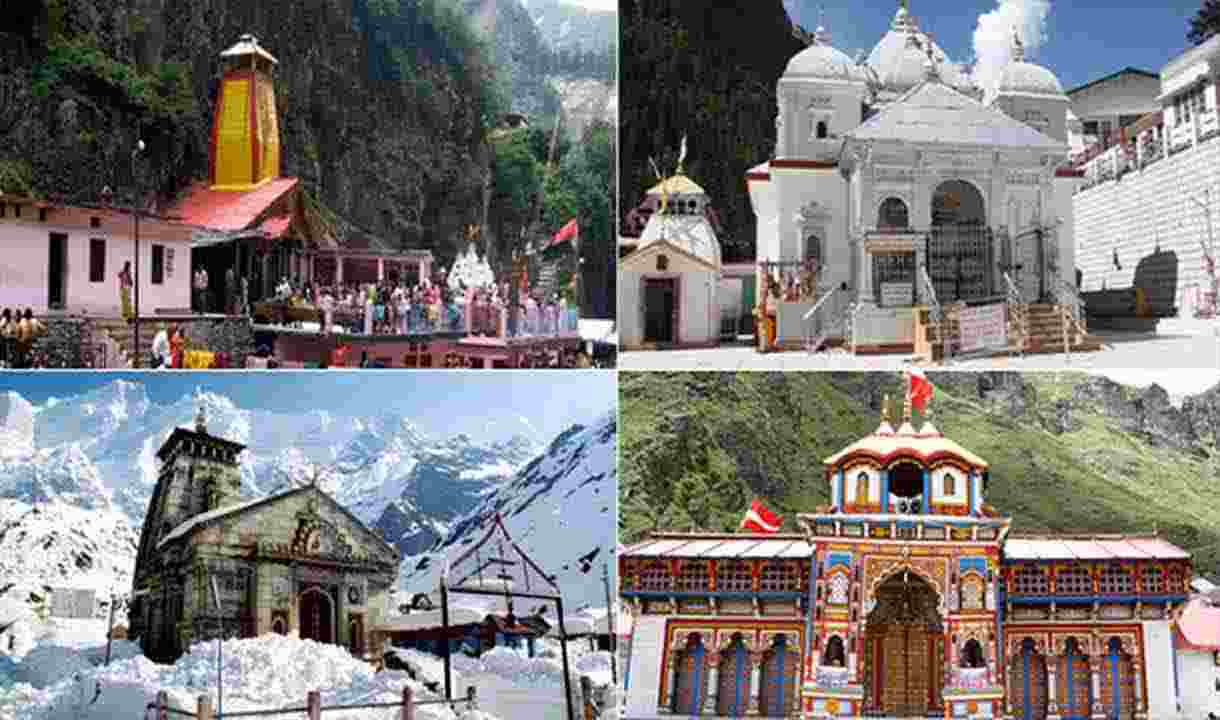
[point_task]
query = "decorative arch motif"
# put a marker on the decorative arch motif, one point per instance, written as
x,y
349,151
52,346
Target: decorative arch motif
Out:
x,y
879,569
973,591
894,212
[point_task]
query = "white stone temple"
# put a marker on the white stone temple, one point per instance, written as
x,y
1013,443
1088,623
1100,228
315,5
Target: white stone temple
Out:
x,y
894,168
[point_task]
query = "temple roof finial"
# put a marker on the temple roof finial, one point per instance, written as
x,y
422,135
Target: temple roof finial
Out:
x,y
201,421
1018,49
885,408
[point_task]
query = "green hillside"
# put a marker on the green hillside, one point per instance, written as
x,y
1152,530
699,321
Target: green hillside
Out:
x,y
1068,452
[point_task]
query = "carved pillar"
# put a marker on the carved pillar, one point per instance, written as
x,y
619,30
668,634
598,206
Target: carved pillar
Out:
x,y
1052,687
756,660
1141,703
710,695
1095,678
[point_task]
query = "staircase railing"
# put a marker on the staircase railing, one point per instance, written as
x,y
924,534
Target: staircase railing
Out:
x,y
1018,315
812,343
936,314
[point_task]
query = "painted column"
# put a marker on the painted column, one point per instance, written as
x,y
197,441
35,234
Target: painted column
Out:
x,y
711,696
338,269
1095,678
836,490
1141,705
885,491
380,269
756,659
927,492
1052,687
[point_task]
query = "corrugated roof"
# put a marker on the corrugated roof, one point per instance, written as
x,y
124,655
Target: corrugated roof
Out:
x,y
723,546
1098,548
935,112
229,209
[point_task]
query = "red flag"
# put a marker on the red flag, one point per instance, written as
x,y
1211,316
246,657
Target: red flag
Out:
x,y
761,520
567,232
919,390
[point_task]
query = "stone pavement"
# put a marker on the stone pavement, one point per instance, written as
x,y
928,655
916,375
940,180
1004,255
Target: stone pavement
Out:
x,y
1176,344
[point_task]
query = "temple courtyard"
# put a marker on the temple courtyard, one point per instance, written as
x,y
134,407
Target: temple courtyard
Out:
x,y
1180,343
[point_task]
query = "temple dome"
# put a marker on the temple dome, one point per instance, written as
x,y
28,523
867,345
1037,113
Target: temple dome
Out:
x,y
898,60
1020,76
1028,78
824,62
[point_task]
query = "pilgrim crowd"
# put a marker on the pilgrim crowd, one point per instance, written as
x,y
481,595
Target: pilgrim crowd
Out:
x,y
18,331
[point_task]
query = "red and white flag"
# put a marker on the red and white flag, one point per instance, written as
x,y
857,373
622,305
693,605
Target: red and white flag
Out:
x,y
761,520
571,231
919,390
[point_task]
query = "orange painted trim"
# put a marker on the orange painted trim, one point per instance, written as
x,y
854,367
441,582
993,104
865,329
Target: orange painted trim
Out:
x,y
885,460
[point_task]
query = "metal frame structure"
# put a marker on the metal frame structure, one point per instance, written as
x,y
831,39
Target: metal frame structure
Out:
x,y
489,568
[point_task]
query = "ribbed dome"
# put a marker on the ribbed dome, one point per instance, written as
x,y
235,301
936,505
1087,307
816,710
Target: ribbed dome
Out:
x,y
904,70
1026,77
822,61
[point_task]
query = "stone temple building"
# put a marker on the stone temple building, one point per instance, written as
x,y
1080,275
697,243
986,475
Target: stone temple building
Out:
x,y
296,561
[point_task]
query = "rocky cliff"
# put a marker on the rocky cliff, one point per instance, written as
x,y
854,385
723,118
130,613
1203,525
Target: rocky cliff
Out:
x,y
708,71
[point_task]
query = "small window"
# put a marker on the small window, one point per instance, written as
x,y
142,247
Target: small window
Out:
x,y
158,264
42,214
1030,580
734,576
662,263
822,129
862,489
694,577
893,214
1153,581
1115,580
1073,581
95,222
834,655
972,654
97,260
778,576
950,485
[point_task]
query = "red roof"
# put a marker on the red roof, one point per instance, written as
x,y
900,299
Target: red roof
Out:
x,y
1199,626
227,209
276,227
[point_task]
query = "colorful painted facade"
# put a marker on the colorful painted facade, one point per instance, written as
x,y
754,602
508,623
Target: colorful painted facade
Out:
x,y
905,597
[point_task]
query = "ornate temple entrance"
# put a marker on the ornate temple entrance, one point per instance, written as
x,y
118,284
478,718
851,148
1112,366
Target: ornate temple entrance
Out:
x,y
904,649
960,252
317,615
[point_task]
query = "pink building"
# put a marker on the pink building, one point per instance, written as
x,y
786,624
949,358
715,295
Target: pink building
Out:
x,y
68,258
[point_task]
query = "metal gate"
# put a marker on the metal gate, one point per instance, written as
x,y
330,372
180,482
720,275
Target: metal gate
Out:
x,y
961,262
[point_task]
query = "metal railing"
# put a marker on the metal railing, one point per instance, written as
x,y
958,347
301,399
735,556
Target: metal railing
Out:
x,y
1018,315
313,708
813,344
936,313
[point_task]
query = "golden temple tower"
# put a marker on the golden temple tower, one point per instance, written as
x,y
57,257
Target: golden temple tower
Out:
x,y
245,150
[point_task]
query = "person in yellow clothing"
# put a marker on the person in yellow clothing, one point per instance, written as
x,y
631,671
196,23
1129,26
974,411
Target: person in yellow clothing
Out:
x,y
125,285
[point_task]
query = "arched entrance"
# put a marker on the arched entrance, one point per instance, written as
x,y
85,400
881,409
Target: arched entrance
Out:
x,y
1027,680
904,649
733,693
317,615
960,254
1075,690
690,677
779,678
1117,683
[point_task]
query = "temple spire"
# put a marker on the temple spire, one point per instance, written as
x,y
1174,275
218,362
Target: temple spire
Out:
x,y
1018,49
201,421
885,408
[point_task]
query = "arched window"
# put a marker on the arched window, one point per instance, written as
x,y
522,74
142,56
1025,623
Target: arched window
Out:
x,y
972,654
1073,581
893,214
662,263
821,129
950,485
813,251
840,589
834,656
862,489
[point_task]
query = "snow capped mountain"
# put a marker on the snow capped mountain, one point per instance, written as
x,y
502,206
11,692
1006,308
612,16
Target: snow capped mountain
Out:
x,y
560,509
77,474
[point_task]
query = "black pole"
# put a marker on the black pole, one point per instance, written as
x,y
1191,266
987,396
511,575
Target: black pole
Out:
x,y
135,334
610,625
563,645
110,630
445,638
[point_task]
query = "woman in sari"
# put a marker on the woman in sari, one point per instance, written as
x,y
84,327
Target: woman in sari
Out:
x,y
125,285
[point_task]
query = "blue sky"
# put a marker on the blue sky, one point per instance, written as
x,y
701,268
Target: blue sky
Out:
x,y
1085,39
440,403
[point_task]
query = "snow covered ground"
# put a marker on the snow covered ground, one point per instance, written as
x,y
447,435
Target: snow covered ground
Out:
x,y
63,678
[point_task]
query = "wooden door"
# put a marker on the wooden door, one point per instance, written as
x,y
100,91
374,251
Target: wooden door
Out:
x,y
1118,686
355,639
1075,687
733,693
1028,681
779,680
57,271
660,307
690,680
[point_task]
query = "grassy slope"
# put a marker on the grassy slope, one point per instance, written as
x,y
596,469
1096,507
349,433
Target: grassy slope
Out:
x,y
772,431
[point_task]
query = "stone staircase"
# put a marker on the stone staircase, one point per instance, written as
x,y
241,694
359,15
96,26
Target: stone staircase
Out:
x,y
1045,326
